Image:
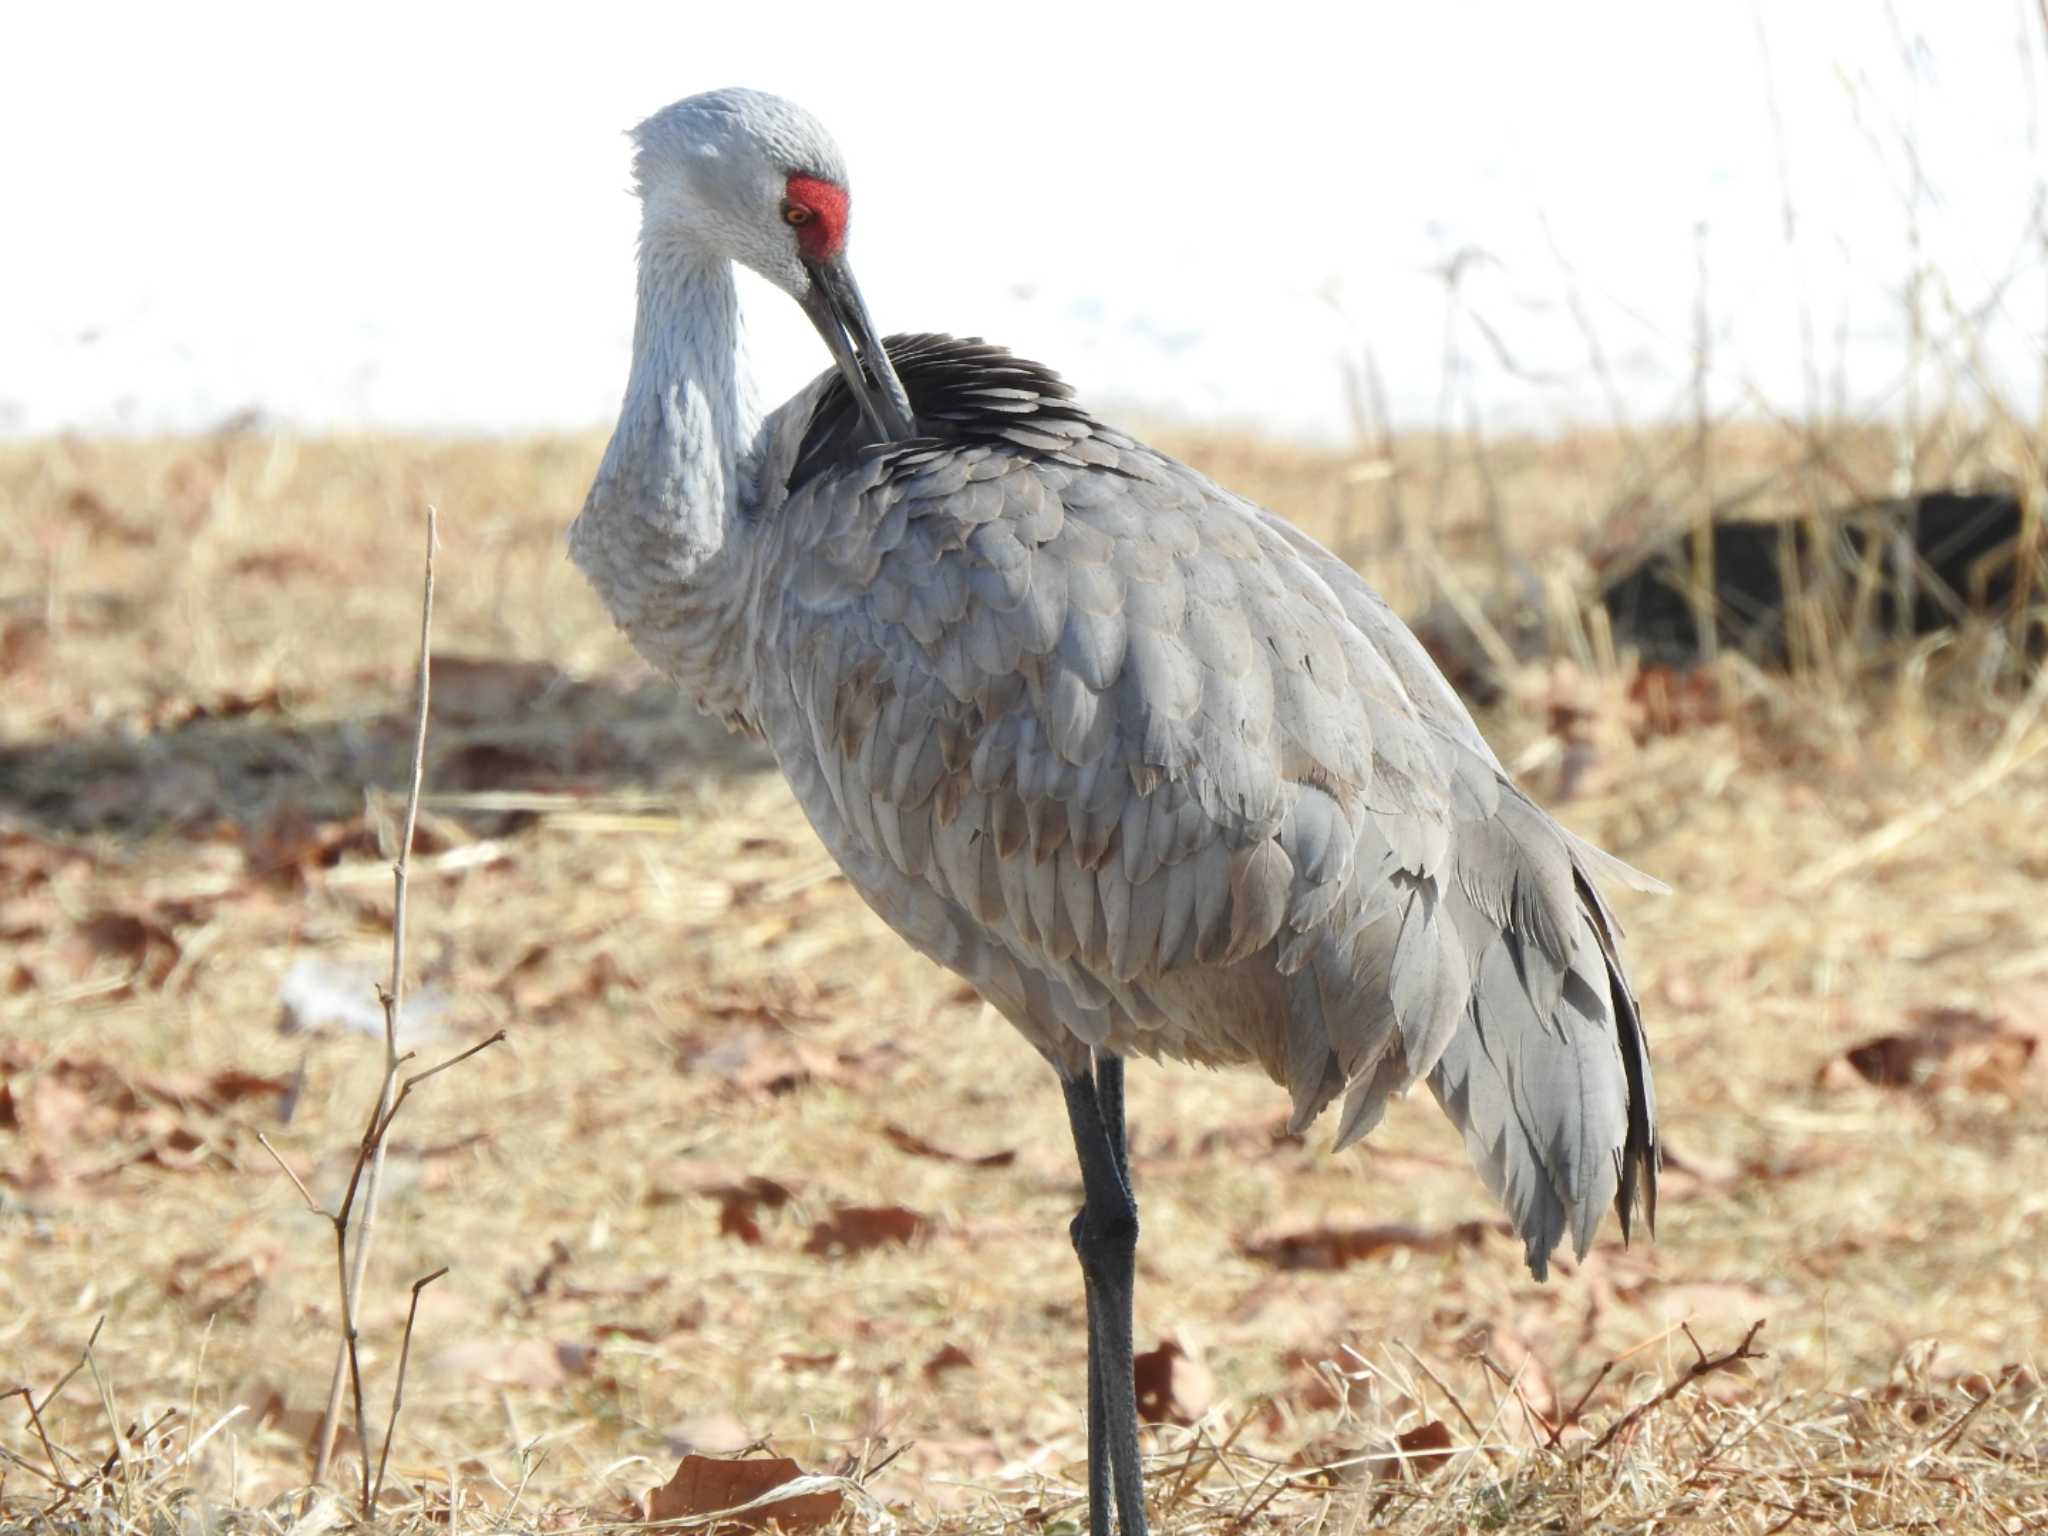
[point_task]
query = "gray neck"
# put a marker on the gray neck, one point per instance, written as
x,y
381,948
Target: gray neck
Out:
x,y
662,536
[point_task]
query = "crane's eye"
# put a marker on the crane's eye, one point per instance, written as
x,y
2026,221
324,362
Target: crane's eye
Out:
x,y
796,213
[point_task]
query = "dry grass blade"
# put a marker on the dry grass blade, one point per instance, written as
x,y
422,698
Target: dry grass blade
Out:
x,y
2022,740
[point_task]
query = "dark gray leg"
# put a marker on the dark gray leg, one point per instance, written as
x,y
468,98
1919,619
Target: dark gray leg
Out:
x,y
1105,1234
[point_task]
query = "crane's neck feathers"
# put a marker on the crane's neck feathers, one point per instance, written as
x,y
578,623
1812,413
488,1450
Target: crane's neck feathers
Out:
x,y
657,534
690,404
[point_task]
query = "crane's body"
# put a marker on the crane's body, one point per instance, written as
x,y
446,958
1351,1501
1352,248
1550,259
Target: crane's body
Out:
x,y
1146,765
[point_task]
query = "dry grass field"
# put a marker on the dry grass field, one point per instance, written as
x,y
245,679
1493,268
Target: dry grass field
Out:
x,y
744,1170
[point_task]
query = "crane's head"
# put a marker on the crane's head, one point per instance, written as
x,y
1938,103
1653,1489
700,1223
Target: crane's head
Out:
x,y
743,176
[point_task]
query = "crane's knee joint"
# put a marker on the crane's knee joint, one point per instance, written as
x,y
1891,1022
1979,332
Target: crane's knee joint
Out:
x,y
1105,1237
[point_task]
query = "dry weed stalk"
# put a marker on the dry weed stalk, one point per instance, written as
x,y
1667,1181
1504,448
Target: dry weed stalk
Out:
x,y
365,1178
35,1413
1705,1365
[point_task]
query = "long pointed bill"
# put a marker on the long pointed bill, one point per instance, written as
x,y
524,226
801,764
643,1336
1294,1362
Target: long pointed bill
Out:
x,y
837,310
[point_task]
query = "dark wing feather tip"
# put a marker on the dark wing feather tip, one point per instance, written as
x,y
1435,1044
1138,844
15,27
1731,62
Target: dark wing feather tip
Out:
x,y
962,391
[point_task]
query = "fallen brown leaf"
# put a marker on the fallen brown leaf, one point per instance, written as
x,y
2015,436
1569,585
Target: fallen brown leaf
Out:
x,y
801,1362
1173,1386
267,1404
739,1199
909,1141
24,643
1947,1048
1668,702
704,1486
951,1358
1336,1247
227,706
141,943
80,1118
852,1229
216,1092
541,987
686,1321
90,512
1421,1451
212,1283
291,846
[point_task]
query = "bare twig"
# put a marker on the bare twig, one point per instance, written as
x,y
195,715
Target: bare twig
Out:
x,y
1705,1365
1531,1415
1571,1414
55,1474
366,1176
398,1387
435,1071
35,1417
84,1362
35,1412
392,998
297,1183
26,1465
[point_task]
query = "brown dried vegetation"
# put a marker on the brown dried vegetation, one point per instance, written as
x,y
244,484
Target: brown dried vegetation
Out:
x,y
750,1171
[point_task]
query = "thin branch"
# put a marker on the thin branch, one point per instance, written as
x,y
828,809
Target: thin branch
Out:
x,y
1571,1415
297,1183
55,1475
85,1362
15,1460
1531,1415
420,1077
1705,1365
35,1417
398,1387
355,1382
35,1413
393,998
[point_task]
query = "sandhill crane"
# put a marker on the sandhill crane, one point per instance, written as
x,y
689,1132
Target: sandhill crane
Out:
x,y
1147,766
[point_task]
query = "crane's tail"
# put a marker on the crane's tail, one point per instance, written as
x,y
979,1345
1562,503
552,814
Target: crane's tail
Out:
x,y
1548,1077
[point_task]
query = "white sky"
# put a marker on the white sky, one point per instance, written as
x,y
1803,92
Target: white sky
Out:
x,y
416,215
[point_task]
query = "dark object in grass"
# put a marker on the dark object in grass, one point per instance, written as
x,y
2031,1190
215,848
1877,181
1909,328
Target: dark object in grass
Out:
x,y
1880,573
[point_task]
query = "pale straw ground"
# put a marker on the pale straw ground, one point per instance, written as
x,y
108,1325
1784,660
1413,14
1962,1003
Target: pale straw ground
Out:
x,y
714,1053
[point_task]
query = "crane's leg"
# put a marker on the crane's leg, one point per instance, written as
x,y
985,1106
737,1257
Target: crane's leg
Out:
x,y
1105,1234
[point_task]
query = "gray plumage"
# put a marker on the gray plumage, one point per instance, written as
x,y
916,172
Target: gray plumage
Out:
x,y
1146,765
